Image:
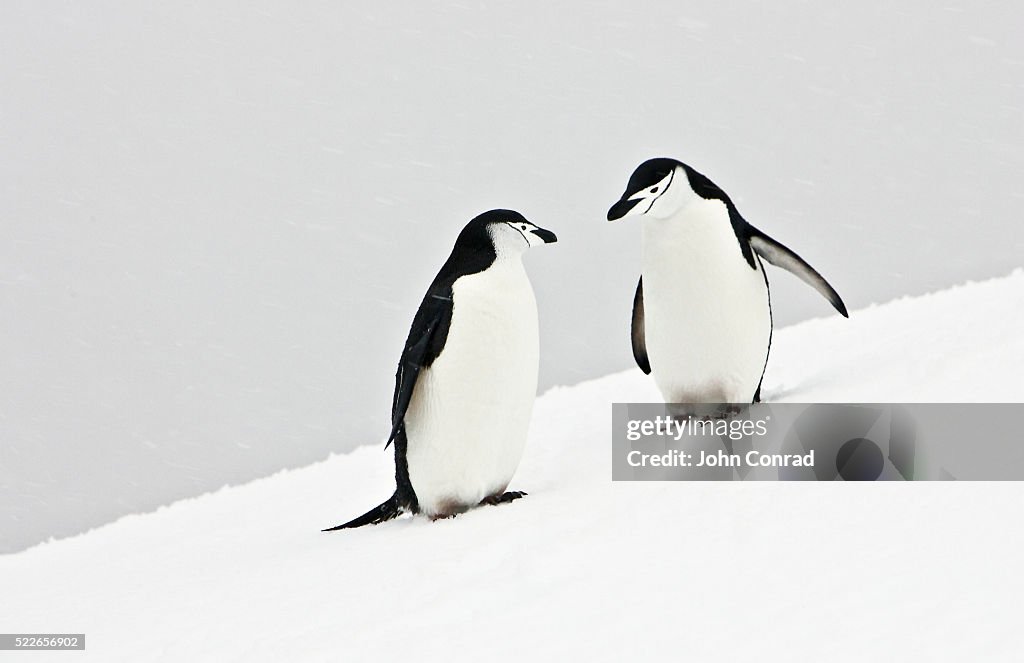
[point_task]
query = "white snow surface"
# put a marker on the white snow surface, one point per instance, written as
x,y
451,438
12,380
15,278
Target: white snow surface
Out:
x,y
584,568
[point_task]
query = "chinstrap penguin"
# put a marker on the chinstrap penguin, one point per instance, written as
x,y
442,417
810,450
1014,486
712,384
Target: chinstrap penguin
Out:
x,y
467,378
702,321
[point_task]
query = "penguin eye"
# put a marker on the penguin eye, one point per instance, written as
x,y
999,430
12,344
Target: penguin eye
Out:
x,y
654,190
522,227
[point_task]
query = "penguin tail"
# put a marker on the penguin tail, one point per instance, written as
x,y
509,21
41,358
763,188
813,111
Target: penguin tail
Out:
x,y
389,509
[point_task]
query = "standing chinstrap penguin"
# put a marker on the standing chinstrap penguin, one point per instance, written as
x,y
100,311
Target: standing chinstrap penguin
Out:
x,y
467,378
702,321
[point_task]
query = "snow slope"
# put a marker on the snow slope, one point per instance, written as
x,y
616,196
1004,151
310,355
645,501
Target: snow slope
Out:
x,y
585,568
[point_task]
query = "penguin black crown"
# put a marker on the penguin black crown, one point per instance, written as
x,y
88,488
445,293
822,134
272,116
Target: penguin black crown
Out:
x,y
467,378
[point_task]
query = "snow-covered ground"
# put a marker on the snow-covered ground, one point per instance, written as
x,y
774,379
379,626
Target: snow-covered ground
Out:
x,y
584,568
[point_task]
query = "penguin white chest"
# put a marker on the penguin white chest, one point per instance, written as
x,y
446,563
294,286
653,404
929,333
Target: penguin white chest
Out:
x,y
706,311
470,411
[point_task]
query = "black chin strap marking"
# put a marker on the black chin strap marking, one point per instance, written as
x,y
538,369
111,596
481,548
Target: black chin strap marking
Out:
x,y
671,175
525,238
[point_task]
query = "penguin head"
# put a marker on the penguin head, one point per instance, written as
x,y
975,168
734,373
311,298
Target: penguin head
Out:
x,y
508,231
657,189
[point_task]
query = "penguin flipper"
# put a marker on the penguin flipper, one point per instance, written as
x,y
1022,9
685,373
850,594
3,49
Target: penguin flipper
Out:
x,y
426,339
637,331
388,510
781,256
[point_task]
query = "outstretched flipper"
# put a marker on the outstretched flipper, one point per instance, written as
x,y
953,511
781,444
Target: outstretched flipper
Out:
x,y
391,508
637,332
781,256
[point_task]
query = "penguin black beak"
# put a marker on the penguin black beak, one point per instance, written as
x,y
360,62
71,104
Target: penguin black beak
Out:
x,y
622,208
546,235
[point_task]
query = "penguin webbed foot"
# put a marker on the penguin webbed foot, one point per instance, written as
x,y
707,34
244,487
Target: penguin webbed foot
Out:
x,y
504,498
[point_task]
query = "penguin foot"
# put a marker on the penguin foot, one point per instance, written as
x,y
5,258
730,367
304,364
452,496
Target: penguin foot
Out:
x,y
504,498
